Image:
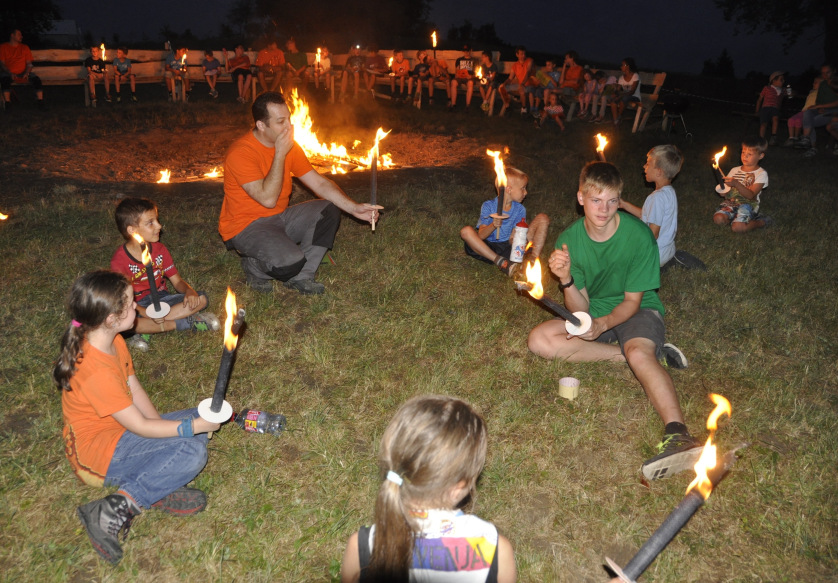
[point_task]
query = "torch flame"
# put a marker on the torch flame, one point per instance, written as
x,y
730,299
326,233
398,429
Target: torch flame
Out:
x,y
214,173
533,272
317,58
230,339
3,217
433,38
707,461
390,62
718,156
146,256
164,176
602,141
183,58
379,135
102,48
499,171
479,73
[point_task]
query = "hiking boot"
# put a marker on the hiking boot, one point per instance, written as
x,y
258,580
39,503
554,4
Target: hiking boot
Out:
x,y
673,357
678,452
182,502
307,287
263,286
138,342
104,519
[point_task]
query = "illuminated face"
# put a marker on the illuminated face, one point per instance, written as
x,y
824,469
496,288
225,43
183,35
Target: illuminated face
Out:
x,y
516,188
553,99
650,169
17,36
521,55
600,206
94,52
125,319
750,157
279,118
120,54
148,227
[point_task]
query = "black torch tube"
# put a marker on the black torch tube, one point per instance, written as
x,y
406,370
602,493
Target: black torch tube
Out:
x,y
559,310
152,286
719,176
677,519
226,366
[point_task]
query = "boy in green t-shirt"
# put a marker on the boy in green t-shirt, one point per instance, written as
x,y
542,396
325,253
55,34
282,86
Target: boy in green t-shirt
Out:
x,y
607,264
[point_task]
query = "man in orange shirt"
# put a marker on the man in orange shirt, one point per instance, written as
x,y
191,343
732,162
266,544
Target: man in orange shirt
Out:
x,y
275,240
16,66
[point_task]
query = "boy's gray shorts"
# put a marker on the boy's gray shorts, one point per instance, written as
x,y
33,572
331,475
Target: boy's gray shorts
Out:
x,y
644,324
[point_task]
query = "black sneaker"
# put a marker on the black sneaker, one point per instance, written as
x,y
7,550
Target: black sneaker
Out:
x,y
108,97
678,452
104,519
687,261
307,287
673,357
183,502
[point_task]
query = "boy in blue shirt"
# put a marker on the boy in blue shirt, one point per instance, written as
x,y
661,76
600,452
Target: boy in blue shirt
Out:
x,y
607,264
481,241
122,70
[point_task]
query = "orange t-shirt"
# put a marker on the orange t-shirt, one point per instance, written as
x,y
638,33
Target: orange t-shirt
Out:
x,y
15,57
401,69
99,389
246,161
573,77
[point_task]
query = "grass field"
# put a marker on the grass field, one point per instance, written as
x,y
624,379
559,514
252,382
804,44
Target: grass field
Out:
x,y
407,313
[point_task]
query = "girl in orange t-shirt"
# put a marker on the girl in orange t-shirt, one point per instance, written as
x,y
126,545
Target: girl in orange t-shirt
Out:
x,y
113,434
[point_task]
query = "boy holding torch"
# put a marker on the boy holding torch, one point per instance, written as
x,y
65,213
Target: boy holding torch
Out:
x,y
607,264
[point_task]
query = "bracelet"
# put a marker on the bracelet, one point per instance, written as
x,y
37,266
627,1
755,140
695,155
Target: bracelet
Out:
x,y
185,428
564,286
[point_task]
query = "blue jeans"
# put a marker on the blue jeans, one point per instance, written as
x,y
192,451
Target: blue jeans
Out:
x,y
149,469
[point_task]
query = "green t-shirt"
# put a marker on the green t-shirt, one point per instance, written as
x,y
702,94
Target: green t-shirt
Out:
x,y
627,262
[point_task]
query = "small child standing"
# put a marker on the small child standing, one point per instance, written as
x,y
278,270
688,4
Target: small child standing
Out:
x,y
113,434
122,70
660,209
552,110
768,106
587,93
211,67
431,455
481,241
97,70
323,69
741,205
139,215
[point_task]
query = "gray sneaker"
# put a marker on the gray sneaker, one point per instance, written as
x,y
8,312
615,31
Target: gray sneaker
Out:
x,y
307,287
678,452
810,153
673,357
138,342
104,520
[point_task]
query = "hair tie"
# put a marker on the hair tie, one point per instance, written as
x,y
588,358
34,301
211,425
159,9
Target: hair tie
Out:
x,y
395,478
76,324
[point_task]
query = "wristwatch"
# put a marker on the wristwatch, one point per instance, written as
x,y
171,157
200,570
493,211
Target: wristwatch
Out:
x,y
564,286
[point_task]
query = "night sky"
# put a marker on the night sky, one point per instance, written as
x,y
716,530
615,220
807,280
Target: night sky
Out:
x,y
668,35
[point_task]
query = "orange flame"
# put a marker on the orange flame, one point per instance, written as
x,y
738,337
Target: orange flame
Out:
x,y
183,58
602,141
3,217
230,339
308,141
102,48
433,38
214,173
164,176
707,461
379,135
317,57
146,257
718,156
479,73
533,272
390,62
499,171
